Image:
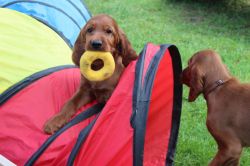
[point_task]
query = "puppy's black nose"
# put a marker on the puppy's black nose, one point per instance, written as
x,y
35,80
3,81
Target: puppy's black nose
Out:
x,y
96,44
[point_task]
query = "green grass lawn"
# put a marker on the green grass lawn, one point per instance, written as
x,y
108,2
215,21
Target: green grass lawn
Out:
x,y
191,27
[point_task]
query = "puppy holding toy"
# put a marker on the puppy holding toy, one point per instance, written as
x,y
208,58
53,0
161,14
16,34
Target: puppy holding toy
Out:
x,y
102,51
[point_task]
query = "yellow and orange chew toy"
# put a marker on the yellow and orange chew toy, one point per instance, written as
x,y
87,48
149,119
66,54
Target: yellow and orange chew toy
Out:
x,y
103,73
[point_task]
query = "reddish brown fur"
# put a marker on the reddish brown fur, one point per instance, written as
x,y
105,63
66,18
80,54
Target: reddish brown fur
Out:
x,y
101,28
228,105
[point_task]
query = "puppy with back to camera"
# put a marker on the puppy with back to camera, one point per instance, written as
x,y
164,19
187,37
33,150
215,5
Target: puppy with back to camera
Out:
x,y
228,104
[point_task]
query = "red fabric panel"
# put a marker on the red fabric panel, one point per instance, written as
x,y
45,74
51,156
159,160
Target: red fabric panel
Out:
x,y
111,140
24,115
150,53
160,115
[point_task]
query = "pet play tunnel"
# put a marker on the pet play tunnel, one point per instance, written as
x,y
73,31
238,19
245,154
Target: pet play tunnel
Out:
x,y
137,126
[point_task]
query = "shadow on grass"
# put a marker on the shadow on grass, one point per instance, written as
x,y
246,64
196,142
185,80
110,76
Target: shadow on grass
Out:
x,y
232,19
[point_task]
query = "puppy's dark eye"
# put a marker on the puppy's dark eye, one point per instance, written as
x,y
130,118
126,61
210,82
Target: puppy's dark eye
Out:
x,y
109,31
90,30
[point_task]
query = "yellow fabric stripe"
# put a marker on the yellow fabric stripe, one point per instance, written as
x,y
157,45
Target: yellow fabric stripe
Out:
x,y
27,46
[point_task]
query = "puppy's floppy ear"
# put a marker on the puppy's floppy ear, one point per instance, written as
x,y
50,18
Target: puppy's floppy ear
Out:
x,y
196,84
78,49
125,49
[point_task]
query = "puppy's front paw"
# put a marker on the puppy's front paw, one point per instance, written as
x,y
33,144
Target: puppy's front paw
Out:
x,y
54,124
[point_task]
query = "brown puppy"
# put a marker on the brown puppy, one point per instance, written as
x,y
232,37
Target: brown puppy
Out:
x,y
228,103
101,33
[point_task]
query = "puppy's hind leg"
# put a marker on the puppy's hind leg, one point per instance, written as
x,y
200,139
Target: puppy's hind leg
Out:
x,y
228,155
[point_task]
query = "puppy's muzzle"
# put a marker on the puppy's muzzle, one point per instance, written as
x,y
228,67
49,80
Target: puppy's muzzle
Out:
x,y
96,44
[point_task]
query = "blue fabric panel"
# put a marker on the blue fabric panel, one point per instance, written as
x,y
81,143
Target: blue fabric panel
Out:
x,y
66,17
